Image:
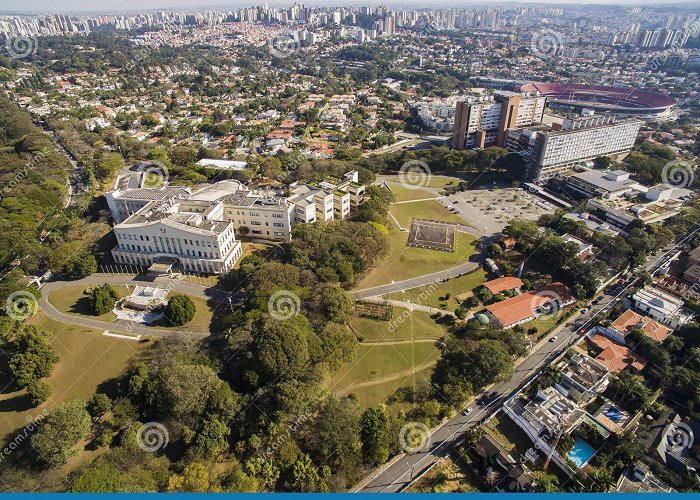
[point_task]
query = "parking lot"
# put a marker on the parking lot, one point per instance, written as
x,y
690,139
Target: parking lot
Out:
x,y
489,211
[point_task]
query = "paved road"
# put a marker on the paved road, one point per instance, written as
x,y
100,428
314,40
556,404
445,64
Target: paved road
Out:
x,y
426,279
401,472
124,326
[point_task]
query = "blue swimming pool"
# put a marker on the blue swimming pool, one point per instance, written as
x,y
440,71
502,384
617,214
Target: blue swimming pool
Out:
x,y
581,453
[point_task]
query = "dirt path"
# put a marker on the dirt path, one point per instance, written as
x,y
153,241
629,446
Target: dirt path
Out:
x,y
406,373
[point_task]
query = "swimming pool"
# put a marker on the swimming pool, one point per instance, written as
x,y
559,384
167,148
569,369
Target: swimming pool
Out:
x,y
581,453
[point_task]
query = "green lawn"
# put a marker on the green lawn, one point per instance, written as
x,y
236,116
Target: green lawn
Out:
x,y
202,321
405,325
72,300
389,357
543,326
436,181
402,193
378,370
87,359
430,295
408,262
430,210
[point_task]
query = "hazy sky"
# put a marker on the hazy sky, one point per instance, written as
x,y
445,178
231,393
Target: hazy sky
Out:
x,y
123,6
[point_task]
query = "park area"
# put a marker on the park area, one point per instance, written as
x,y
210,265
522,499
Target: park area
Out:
x,y
72,300
392,354
88,362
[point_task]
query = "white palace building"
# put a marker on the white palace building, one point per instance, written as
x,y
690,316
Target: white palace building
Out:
x,y
169,224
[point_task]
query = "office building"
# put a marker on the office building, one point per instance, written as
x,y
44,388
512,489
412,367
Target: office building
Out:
x,y
579,140
482,121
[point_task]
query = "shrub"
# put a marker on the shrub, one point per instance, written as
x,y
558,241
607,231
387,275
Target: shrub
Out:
x,y
180,310
39,391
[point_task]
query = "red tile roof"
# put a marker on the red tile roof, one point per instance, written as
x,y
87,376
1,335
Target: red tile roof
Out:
x,y
501,284
616,357
652,329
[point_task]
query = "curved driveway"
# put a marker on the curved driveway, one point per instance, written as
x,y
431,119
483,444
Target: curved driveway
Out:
x,y
122,326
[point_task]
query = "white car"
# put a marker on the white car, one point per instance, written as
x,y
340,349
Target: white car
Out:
x,y
552,339
467,411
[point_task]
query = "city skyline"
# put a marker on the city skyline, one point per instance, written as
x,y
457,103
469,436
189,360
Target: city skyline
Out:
x,y
44,7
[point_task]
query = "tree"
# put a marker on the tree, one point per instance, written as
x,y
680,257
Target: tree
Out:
x,y
545,483
306,476
101,299
184,390
33,357
39,391
81,266
100,478
194,479
212,440
338,343
281,348
99,405
336,305
602,162
336,441
180,310
62,429
375,424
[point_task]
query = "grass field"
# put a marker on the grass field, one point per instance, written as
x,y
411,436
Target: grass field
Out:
x,y
87,359
415,325
72,300
378,370
408,262
431,210
430,295
393,354
402,193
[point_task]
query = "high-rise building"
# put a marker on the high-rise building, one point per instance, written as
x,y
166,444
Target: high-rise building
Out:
x,y
578,140
483,121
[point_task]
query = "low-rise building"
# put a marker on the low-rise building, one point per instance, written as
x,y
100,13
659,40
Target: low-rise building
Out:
x,y
597,183
616,357
662,306
193,228
528,306
582,378
620,328
502,284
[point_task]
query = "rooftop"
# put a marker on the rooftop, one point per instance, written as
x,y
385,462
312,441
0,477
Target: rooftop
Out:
x,y
501,284
616,357
631,319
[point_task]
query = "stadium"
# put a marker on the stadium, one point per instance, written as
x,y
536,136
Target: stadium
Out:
x,y
621,101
